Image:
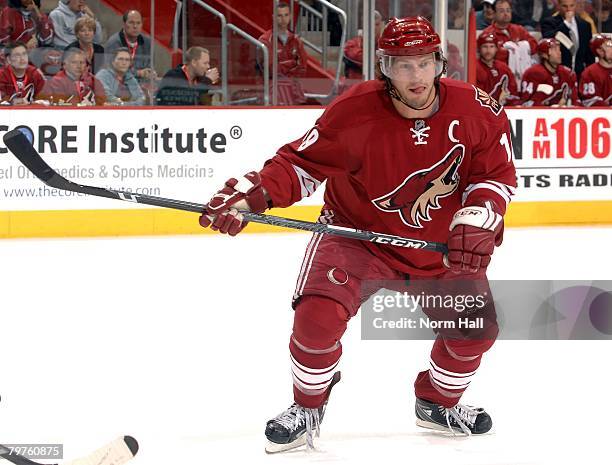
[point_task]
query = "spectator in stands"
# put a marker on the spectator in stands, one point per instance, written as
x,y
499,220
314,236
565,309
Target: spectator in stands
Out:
x,y
515,46
529,13
85,30
455,68
189,83
292,58
583,11
484,17
74,85
494,76
353,50
549,83
601,15
65,16
574,35
22,21
456,14
120,85
595,87
20,82
132,38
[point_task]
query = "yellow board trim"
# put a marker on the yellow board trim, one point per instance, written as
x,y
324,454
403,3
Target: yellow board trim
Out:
x,y
144,222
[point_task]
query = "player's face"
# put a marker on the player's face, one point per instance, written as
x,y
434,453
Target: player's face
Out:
x,y
488,51
201,65
122,62
554,55
606,47
85,35
75,64
413,77
18,58
503,13
283,18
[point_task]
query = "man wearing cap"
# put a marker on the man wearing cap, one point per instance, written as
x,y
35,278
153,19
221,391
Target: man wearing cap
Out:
x,y
484,17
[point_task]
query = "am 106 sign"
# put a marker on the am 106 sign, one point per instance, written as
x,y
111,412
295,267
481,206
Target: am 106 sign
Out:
x,y
559,136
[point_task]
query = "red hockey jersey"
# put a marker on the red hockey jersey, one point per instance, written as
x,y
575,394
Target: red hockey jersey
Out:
x,y
27,87
541,87
595,87
63,90
498,81
292,57
16,27
514,33
405,177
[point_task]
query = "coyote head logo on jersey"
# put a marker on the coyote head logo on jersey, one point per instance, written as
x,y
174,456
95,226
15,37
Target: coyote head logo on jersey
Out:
x,y
422,190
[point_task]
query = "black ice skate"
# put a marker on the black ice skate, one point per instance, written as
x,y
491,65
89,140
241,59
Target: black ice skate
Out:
x,y
296,426
462,419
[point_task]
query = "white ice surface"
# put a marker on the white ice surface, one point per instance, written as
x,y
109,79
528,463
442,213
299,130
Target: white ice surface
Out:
x,y
182,343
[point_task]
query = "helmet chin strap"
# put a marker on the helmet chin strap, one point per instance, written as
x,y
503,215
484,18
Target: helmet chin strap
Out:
x,y
394,93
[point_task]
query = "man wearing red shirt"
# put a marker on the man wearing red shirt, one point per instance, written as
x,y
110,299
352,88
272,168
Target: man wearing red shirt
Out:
x,y
508,35
292,58
22,21
353,50
20,82
410,154
549,83
595,87
75,84
494,76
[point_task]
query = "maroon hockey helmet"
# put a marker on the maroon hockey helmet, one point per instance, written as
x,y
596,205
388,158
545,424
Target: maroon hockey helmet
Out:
x,y
408,36
544,45
597,41
486,38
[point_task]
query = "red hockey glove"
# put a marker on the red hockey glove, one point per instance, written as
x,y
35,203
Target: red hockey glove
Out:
x,y
222,211
474,233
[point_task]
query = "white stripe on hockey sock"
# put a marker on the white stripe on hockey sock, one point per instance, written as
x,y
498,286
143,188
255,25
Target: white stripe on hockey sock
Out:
x,y
450,373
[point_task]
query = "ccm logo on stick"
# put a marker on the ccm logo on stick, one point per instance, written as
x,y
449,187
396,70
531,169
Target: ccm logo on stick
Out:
x,y
398,242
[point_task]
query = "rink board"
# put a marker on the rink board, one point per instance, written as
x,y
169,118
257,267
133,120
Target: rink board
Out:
x,y
563,160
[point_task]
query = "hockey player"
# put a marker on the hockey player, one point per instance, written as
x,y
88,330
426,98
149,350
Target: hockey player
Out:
x,y
595,87
549,83
413,154
494,76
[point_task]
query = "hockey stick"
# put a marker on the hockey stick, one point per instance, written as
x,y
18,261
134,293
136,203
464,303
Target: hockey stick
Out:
x,y
19,141
116,452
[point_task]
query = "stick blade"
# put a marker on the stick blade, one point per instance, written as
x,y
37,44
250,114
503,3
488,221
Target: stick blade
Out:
x,y
20,144
117,452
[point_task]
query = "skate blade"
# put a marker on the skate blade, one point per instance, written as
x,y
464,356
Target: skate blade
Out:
x,y
440,428
444,429
274,448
